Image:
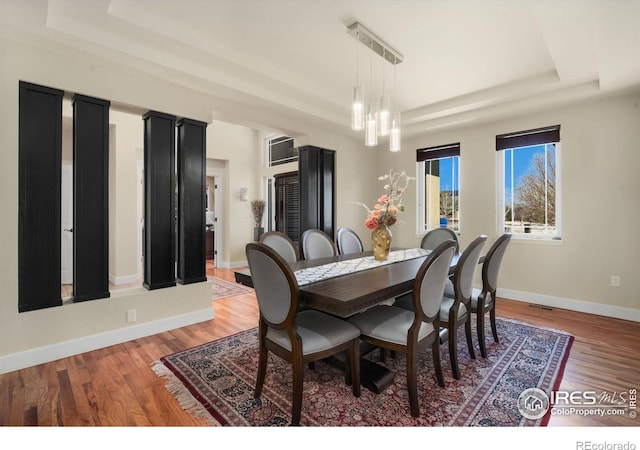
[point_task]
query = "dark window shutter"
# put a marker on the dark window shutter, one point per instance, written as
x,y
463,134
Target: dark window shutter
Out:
x,y
537,136
440,151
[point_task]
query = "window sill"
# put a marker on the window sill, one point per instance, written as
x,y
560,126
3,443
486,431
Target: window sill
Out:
x,y
536,239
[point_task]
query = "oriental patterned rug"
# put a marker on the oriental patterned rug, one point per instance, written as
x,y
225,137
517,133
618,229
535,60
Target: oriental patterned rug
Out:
x,y
223,289
215,381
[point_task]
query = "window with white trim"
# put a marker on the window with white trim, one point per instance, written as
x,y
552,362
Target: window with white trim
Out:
x,y
529,183
280,150
438,187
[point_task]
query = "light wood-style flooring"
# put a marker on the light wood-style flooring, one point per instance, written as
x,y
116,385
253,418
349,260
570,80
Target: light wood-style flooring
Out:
x,y
115,386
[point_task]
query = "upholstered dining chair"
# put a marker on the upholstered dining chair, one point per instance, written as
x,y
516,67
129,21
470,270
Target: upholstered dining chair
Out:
x,y
456,311
435,237
431,240
483,301
281,243
298,337
348,241
317,244
407,332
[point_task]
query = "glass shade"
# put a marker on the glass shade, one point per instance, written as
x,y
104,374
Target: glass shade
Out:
x,y
370,135
384,116
357,108
394,134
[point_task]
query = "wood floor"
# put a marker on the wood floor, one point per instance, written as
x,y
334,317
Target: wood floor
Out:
x,y
115,386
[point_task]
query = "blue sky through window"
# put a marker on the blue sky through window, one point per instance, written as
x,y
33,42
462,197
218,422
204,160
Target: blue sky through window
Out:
x,y
518,163
447,175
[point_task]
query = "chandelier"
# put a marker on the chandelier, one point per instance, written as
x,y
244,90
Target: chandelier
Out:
x,y
375,115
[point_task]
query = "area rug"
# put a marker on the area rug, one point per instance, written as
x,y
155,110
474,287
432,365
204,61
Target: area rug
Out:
x,y
215,381
222,288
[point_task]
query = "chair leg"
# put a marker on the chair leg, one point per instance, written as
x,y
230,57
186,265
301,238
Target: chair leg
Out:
x,y
480,329
262,370
467,331
453,352
435,351
296,408
412,381
354,367
494,328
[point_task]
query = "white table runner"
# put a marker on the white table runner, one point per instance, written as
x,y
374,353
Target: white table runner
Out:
x,y
339,268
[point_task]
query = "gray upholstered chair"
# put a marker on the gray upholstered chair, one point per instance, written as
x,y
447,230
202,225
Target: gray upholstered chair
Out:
x,y
456,311
317,244
483,301
282,244
405,331
435,237
348,241
298,337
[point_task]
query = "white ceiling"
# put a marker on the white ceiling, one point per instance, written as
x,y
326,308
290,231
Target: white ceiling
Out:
x,y
274,62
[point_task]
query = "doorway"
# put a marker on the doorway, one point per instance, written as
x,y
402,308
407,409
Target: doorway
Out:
x,y
66,274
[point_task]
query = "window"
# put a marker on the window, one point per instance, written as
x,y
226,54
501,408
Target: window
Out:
x,y
529,183
280,150
438,187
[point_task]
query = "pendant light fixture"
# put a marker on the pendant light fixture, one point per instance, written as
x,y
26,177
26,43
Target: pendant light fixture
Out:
x,y
394,132
376,116
357,107
385,106
370,127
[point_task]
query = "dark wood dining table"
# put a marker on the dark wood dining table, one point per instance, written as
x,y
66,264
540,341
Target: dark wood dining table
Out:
x,y
349,294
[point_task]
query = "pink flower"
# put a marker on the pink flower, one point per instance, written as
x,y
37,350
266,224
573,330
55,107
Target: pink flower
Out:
x,y
371,223
384,199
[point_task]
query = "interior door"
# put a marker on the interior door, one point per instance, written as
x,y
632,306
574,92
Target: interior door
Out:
x,y
67,224
288,206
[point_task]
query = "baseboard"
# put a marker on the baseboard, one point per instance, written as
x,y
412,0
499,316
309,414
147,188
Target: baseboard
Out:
x,y
127,279
21,360
617,312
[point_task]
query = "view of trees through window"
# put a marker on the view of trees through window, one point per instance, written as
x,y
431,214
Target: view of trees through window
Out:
x,y
530,189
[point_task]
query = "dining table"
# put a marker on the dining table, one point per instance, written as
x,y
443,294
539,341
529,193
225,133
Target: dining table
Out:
x,y
344,293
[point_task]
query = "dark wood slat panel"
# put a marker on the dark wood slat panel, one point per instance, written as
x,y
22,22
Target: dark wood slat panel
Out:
x,y
160,200
192,149
317,189
90,198
39,203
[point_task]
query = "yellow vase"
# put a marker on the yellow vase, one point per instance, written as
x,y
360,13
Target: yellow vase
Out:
x,y
381,242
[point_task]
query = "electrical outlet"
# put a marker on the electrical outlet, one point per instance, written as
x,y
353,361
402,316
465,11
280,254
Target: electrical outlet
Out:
x,y
131,315
615,281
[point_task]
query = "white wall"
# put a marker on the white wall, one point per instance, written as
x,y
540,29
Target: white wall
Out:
x,y
600,142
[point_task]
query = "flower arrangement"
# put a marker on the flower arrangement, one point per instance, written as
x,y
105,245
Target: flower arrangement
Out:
x,y
389,205
257,209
